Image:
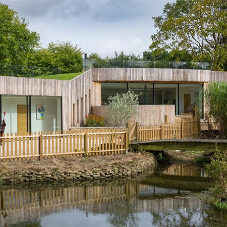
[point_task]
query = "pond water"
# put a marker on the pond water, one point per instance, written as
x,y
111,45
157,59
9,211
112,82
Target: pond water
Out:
x,y
165,198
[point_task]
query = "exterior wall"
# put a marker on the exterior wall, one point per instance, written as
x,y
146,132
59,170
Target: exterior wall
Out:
x,y
82,98
84,91
147,114
157,75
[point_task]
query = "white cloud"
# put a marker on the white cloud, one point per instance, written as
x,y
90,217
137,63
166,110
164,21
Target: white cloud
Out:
x,y
101,26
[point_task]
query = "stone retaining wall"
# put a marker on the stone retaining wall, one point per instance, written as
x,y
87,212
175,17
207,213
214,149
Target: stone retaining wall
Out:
x,y
127,170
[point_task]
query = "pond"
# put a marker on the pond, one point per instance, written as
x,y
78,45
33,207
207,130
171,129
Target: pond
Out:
x,y
165,198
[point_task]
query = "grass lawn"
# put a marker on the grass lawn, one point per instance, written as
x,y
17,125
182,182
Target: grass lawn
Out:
x,y
68,76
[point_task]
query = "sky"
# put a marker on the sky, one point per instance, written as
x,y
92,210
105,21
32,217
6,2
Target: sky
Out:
x,y
95,26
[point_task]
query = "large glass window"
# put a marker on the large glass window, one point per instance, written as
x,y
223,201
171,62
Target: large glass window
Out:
x,y
144,92
50,119
166,94
31,113
111,89
180,95
190,94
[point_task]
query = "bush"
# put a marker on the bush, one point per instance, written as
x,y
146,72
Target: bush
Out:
x,y
94,121
215,97
218,170
121,108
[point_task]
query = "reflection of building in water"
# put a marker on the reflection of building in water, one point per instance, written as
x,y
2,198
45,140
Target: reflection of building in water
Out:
x,y
24,205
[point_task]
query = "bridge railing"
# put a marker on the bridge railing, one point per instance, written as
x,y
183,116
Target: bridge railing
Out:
x,y
186,128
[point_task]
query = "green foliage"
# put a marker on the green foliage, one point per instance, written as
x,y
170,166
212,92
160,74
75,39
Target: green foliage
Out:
x,y
94,121
121,108
218,170
66,76
25,71
216,96
198,27
202,160
17,42
120,60
64,56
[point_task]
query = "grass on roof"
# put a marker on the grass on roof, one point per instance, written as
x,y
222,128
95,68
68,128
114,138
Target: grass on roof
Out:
x,y
68,76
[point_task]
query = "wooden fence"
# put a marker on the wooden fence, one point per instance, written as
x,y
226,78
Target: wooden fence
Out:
x,y
89,141
14,147
186,128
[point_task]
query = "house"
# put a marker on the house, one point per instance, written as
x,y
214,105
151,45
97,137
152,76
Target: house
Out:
x,y
53,105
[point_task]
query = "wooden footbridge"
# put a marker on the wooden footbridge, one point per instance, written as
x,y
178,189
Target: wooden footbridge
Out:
x,y
180,144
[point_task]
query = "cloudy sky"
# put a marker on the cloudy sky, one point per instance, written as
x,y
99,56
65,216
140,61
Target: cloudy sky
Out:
x,y
95,26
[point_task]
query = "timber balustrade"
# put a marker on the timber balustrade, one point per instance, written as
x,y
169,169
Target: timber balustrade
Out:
x,y
88,141
186,128
58,145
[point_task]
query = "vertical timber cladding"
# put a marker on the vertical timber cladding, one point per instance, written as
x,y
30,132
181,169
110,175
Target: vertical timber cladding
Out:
x,y
157,75
82,95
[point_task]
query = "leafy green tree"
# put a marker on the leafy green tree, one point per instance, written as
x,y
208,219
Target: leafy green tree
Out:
x,y
63,55
68,58
94,56
16,40
215,98
198,26
121,108
97,61
42,58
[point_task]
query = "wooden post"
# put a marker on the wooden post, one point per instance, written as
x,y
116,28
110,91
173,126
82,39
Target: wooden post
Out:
x,y
137,132
182,129
86,143
40,147
161,132
126,142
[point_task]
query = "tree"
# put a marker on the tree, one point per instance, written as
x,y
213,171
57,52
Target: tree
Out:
x,y
121,108
197,26
215,98
63,55
16,40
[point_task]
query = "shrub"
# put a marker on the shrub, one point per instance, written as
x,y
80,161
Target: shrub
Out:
x,y
216,96
121,108
94,121
218,169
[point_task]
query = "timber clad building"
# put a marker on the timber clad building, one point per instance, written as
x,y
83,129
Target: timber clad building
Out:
x,y
53,105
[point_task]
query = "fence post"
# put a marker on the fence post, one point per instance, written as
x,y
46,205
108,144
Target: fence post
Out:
x,y
182,129
161,132
137,132
126,142
40,147
85,143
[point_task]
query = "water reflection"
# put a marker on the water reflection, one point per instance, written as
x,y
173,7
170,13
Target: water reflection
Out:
x,y
150,202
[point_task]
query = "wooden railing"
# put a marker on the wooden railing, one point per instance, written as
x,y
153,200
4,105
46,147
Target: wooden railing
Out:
x,y
41,146
177,130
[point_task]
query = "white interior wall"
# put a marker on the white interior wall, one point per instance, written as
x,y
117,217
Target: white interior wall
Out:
x,y
51,120
9,104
